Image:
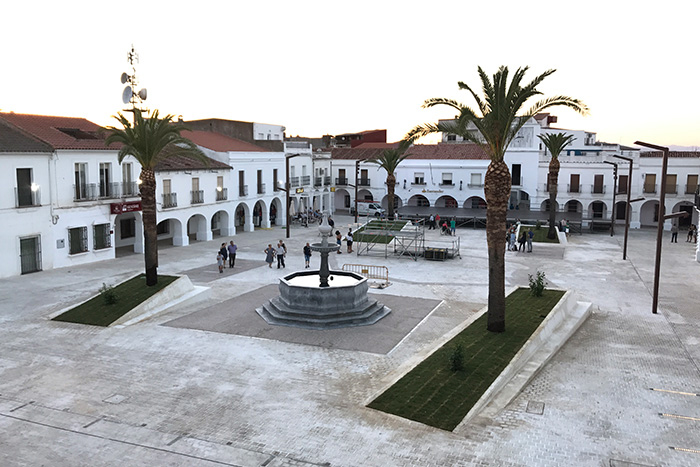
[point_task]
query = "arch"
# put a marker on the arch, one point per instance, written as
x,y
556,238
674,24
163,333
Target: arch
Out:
x,y
260,214
573,205
397,202
544,207
170,232
620,210
241,217
475,202
365,195
220,224
418,200
597,210
519,199
276,212
342,199
446,201
649,213
687,206
128,233
197,228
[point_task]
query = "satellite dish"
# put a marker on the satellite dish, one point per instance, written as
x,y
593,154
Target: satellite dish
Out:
x,y
125,78
143,94
127,95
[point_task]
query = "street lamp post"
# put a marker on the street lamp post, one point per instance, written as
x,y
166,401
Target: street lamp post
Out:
x,y
287,187
612,214
629,203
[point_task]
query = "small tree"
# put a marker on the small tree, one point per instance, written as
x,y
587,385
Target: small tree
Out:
x,y
389,160
555,142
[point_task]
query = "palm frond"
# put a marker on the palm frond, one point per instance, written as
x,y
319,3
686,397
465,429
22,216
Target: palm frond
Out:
x,y
556,142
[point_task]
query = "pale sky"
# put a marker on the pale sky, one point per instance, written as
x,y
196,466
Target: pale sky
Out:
x,y
329,67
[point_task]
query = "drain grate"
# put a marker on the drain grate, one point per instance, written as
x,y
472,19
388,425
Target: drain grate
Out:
x,y
535,407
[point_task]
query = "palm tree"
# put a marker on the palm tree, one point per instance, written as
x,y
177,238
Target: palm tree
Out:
x,y
389,160
150,140
493,128
555,142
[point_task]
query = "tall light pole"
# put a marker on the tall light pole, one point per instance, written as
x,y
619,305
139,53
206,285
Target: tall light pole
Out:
x,y
662,217
612,213
287,187
629,203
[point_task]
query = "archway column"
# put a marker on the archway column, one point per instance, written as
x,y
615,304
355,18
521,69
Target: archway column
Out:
x,y
139,240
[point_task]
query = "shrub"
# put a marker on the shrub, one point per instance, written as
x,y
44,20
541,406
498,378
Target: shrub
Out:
x,y
457,358
538,225
109,296
537,283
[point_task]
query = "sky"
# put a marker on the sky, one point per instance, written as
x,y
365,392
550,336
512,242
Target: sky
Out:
x,y
331,67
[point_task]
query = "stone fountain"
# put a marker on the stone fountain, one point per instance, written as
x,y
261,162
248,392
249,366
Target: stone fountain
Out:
x,y
323,299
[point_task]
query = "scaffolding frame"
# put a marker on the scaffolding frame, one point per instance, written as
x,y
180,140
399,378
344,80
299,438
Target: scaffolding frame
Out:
x,y
408,241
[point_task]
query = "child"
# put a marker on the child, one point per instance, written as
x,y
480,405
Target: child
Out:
x,y
307,255
220,261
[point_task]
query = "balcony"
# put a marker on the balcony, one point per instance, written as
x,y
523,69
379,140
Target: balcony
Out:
x,y
84,192
573,188
622,189
515,181
446,184
26,197
672,189
598,189
305,180
341,181
169,200
475,185
221,193
261,188
197,196
130,189
243,190
691,189
418,182
363,182
327,180
294,182
649,188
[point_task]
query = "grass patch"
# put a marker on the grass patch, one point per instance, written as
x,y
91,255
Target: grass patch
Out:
x,y
434,394
541,235
129,295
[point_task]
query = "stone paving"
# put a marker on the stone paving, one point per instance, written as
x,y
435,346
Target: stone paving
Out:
x,y
149,394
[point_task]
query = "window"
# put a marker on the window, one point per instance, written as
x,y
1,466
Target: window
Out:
x,y
516,173
692,184
127,228
81,181
419,178
275,179
622,184
26,190
598,184
671,186
102,238
77,240
451,137
574,183
475,180
105,179
128,186
197,194
167,187
650,183
446,178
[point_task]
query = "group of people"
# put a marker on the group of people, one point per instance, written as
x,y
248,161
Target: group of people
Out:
x,y
692,233
226,252
525,239
446,227
279,252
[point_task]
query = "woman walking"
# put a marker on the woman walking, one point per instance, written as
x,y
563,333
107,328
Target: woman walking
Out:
x,y
270,255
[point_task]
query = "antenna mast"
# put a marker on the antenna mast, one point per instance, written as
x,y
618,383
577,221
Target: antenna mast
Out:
x,y
129,95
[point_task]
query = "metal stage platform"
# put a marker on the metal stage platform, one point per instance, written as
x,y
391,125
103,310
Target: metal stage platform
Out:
x,y
382,238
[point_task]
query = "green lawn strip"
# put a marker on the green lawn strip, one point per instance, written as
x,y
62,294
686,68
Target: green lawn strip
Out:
x,y
541,236
436,396
130,294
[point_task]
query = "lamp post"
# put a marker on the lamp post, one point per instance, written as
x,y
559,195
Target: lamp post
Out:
x,y
629,203
287,187
612,214
661,218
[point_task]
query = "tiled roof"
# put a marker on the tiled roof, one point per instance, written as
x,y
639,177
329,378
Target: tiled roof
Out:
x,y
61,132
15,140
692,154
176,163
219,142
417,151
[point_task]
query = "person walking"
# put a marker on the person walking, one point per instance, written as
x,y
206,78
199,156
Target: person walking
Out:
x,y
220,261
511,244
269,255
530,236
307,255
280,252
674,233
431,222
349,240
437,219
232,254
224,252
338,240
521,241
691,229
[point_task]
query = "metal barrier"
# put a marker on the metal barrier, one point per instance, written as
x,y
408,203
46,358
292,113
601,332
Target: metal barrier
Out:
x,y
370,272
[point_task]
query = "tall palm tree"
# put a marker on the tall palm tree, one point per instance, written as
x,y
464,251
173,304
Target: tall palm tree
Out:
x,y
389,160
555,142
500,116
150,140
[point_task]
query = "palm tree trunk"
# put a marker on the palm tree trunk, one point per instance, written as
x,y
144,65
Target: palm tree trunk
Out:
x,y
150,236
553,187
390,188
497,184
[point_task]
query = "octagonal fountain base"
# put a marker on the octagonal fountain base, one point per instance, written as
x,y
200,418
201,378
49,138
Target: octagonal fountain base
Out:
x,y
302,303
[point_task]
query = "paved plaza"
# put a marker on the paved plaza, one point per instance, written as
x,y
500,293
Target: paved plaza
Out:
x,y
211,384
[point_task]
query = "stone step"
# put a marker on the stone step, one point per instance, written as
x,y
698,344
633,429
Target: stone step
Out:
x,y
370,316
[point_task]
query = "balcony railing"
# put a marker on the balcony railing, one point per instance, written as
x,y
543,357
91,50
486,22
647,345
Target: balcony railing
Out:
x,y
622,189
305,180
475,185
261,188
517,181
418,183
573,188
318,181
294,182
197,196
84,192
169,200
649,188
27,197
130,189
363,182
598,189
672,189
327,180
691,189
446,184
109,190
221,193
341,181
243,190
